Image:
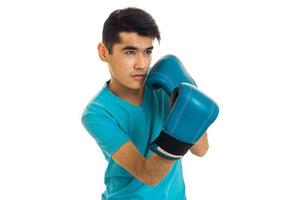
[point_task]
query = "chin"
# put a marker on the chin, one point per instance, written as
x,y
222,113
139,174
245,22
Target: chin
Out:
x,y
136,86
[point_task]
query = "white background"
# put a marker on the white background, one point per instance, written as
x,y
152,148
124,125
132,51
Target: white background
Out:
x,y
244,54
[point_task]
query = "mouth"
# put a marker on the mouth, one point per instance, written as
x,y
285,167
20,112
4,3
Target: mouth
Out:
x,y
138,76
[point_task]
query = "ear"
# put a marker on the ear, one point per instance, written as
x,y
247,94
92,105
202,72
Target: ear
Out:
x,y
103,52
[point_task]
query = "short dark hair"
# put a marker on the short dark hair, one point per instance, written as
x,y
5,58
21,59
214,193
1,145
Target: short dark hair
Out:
x,y
128,20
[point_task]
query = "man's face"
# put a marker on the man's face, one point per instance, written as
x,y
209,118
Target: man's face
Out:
x,y
130,58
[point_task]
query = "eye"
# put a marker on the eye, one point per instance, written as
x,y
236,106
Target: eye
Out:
x,y
148,52
130,52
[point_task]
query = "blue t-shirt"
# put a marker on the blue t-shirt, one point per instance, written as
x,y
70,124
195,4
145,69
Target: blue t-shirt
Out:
x,y
112,122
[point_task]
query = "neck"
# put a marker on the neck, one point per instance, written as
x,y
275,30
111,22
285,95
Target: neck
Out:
x,y
133,96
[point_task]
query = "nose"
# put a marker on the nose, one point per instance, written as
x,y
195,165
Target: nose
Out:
x,y
141,62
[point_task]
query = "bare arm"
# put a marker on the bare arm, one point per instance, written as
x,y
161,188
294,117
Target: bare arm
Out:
x,y
148,170
201,146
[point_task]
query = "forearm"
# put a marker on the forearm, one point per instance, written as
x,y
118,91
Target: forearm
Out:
x,y
201,146
154,168
148,170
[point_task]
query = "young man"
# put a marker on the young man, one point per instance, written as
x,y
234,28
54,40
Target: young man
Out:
x,y
126,115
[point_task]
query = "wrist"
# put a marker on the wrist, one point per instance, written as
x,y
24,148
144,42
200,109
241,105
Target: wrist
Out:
x,y
169,147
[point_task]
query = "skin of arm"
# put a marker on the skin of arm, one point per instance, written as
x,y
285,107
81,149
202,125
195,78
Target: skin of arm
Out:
x,y
201,146
149,170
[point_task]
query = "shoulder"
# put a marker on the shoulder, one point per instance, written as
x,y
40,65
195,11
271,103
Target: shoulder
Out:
x,y
97,103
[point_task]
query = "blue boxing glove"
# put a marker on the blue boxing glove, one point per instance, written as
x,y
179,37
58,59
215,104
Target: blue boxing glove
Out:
x,y
192,112
167,73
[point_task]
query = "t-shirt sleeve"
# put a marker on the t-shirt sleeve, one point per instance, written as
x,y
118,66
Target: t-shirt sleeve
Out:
x,y
105,130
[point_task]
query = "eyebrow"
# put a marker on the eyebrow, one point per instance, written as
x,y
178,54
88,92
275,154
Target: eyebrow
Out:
x,y
134,48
